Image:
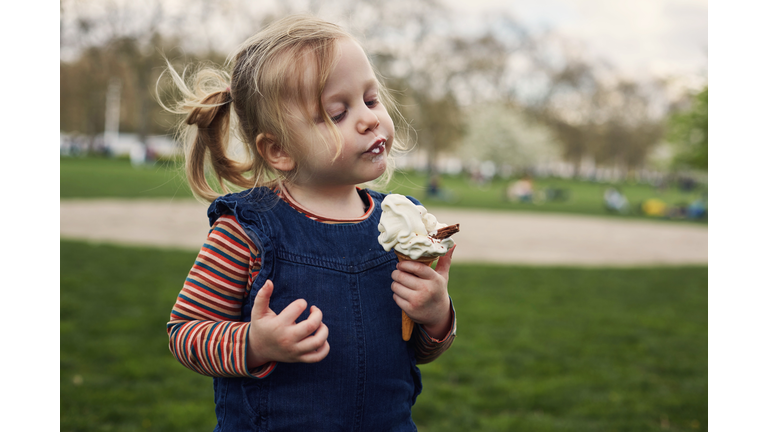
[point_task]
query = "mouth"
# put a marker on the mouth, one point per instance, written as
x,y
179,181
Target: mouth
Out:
x,y
378,146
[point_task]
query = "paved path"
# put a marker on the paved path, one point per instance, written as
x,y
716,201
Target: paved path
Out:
x,y
498,237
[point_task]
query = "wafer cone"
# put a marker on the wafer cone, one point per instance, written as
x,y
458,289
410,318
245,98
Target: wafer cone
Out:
x,y
425,259
407,321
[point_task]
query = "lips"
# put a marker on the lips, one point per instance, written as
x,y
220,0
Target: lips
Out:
x,y
378,146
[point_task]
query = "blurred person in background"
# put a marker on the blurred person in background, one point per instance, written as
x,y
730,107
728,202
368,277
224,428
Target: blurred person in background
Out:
x,y
521,190
615,201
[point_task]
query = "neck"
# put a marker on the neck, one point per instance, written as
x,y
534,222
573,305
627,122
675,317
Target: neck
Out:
x,y
337,202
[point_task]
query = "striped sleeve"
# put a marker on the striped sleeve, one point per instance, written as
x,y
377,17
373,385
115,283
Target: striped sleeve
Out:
x,y
205,330
427,348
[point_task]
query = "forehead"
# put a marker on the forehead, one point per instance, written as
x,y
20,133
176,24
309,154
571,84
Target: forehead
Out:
x,y
351,70
303,73
301,70
321,75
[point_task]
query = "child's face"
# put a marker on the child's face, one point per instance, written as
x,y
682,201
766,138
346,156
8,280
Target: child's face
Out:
x,y
351,100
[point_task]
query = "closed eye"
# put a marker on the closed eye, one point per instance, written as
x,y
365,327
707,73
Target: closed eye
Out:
x,y
339,117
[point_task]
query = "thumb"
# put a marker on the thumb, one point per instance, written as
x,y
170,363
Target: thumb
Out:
x,y
444,262
261,302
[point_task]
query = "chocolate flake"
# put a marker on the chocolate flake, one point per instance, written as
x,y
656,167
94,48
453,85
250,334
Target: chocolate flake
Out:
x,y
444,233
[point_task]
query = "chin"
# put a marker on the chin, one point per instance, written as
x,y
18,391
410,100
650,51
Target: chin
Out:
x,y
381,167
374,175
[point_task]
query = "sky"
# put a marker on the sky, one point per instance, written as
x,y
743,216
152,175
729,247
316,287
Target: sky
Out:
x,y
640,38
646,38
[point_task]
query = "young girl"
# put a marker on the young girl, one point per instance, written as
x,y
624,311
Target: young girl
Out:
x,y
292,305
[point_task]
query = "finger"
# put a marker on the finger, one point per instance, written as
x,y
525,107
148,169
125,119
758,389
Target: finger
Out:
x,y
309,325
415,268
402,291
402,303
291,313
444,263
409,280
313,342
261,302
316,356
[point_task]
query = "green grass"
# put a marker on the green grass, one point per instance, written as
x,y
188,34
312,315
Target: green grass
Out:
x,y
584,197
100,178
538,348
117,373
117,178
564,349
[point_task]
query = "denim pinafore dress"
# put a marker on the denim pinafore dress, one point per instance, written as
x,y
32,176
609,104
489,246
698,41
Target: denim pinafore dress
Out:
x,y
369,380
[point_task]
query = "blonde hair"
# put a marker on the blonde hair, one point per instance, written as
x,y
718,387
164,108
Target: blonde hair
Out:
x,y
269,73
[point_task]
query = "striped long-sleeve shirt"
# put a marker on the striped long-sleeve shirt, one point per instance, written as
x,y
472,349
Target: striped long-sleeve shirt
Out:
x,y
205,328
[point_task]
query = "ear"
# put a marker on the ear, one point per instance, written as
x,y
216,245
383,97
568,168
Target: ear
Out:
x,y
275,156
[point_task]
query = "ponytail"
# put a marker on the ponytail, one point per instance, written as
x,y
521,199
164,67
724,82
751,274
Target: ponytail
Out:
x,y
212,118
207,103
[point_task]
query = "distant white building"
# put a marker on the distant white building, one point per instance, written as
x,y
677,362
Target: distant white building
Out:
x,y
125,144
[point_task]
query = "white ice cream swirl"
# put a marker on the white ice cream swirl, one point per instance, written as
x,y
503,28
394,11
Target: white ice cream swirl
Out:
x,y
407,226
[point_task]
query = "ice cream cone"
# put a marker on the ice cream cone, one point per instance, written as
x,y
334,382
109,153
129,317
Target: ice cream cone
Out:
x,y
425,259
407,326
405,225
407,321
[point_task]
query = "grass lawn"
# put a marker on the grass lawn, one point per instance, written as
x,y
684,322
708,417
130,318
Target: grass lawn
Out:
x,y
98,178
584,197
117,178
538,348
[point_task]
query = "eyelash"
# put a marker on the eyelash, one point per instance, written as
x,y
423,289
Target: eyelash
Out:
x,y
370,104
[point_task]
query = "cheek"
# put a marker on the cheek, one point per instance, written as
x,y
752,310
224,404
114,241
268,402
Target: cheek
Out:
x,y
323,151
387,123
321,144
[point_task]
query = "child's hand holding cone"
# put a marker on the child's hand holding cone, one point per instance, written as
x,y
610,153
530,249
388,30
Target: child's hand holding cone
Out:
x,y
423,292
416,236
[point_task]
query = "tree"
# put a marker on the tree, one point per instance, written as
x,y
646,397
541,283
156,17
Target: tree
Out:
x,y
124,40
506,135
612,122
84,83
629,128
688,131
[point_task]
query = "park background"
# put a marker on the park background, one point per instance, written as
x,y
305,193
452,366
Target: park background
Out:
x,y
626,347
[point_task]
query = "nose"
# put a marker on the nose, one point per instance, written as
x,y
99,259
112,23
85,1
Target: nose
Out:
x,y
368,121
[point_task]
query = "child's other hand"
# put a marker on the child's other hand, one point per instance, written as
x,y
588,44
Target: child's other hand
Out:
x,y
423,293
280,338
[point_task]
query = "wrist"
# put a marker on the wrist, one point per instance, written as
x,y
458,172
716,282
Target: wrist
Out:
x,y
441,328
253,359
439,331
